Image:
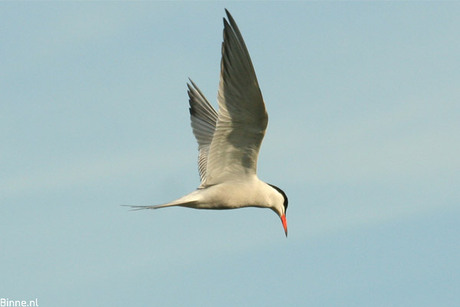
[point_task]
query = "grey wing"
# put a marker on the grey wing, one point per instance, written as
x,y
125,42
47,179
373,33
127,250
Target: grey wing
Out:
x,y
203,118
242,117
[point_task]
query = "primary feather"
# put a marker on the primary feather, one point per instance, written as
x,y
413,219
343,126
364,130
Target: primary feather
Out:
x,y
242,118
203,118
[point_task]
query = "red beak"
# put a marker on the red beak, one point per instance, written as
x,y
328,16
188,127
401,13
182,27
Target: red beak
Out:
x,y
283,219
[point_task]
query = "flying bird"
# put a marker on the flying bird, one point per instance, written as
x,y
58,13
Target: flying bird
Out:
x,y
229,140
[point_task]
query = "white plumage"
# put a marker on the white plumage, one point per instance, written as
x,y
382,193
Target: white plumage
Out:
x,y
229,140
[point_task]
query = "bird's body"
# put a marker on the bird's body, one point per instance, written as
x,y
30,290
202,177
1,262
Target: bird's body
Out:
x,y
250,192
229,140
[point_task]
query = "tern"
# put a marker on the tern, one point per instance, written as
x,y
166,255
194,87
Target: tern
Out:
x,y
229,140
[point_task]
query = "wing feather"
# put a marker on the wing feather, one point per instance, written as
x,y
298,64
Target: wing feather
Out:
x,y
242,117
203,119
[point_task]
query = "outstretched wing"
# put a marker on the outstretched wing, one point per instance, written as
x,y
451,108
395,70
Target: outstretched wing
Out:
x,y
242,118
203,117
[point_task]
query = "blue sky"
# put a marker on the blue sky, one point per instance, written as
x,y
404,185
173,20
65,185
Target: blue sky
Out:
x,y
364,137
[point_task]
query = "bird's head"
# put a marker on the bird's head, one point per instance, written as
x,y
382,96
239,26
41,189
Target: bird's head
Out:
x,y
279,205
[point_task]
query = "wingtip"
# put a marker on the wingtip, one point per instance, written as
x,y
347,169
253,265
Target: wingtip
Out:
x,y
191,82
191,87
226,24
230,18
229,21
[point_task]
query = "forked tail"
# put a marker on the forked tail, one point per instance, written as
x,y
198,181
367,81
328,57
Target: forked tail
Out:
x,y
190,200
190,204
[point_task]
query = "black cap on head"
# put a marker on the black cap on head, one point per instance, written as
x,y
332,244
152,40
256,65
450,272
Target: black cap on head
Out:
x,y
282,193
